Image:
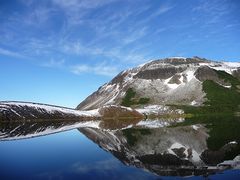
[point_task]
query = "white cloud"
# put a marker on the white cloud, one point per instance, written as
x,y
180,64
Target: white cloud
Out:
x,y
100,69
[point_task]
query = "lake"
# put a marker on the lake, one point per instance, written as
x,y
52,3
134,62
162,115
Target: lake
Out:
x,y
73,150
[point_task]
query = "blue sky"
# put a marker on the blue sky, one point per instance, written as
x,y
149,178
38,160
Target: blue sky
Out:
x,y
60,51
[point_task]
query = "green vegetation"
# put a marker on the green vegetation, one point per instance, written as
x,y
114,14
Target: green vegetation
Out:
x,y
143,100
220,99
130,99
127,100
133,135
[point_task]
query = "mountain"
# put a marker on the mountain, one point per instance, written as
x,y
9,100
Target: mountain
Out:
x,y
175,80
17,111
11,111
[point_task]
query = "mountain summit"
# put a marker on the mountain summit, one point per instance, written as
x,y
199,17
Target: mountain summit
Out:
x,y
175,80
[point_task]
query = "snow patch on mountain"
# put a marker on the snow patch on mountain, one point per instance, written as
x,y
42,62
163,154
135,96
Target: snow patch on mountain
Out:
x,y
49,130
17,107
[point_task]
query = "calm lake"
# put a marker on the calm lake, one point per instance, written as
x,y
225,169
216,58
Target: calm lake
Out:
x,y
73,150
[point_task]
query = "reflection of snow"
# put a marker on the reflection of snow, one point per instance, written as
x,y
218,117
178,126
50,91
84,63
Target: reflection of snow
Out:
x,y
232,142
48,130
158,109
194,156
149,123
195,127
152,123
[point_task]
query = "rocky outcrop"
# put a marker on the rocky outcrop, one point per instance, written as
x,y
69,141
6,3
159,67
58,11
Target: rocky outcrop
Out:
x,y
175,79
159,73
118,112
236,73
204,73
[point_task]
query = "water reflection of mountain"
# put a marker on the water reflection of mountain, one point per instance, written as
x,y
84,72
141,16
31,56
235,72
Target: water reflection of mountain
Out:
x,y
178,151
182,150
24,130
33,128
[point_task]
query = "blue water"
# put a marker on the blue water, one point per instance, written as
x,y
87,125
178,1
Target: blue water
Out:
x,y
70,155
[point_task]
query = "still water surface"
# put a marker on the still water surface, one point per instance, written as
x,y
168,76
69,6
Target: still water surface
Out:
x,y
65,155
88,153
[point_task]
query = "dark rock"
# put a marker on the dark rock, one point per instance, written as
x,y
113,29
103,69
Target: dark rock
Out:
x,y
175,79
211,157
179,152
164,160
204,73
159,73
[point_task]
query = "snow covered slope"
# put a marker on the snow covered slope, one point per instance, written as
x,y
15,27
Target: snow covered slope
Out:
x,y
25,111
174,80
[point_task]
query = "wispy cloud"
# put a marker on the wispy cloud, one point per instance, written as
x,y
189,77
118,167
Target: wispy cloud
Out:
x,y
100,69
162,9
116,53
7,52
38,16
213,10
54,63
76,10
105,27
135,35
125,33
85,4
